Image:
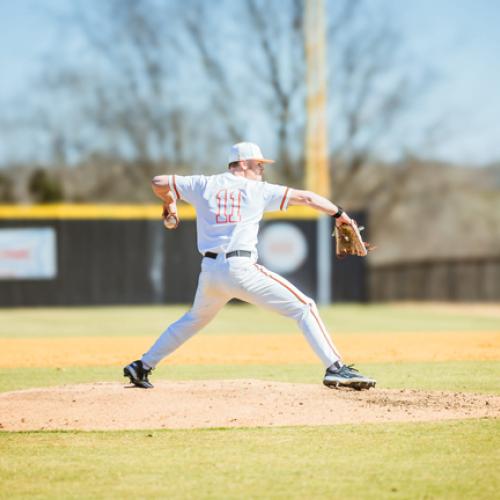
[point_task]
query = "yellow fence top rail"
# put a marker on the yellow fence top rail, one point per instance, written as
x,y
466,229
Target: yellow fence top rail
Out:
x,y
76,211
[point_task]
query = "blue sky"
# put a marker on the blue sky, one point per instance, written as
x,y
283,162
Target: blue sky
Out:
x,y
460,38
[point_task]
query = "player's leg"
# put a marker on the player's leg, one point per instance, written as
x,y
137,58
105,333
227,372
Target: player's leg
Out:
x,y
259,286
270,290
207,303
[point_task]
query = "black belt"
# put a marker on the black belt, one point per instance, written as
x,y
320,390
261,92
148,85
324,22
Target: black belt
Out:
x,y
234,253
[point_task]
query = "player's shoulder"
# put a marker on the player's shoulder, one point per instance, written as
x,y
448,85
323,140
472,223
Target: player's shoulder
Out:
x,y
189,177
269,186
198,179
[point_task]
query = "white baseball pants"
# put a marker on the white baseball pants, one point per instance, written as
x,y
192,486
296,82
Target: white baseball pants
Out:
x,y
221,280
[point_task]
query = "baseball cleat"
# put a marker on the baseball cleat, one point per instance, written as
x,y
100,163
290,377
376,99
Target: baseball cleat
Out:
x,y
337,376
138,375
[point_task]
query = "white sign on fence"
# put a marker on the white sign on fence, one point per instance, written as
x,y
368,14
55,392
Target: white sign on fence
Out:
x,y
28,253
283,247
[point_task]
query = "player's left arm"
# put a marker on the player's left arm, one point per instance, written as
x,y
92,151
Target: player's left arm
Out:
x,y
309,199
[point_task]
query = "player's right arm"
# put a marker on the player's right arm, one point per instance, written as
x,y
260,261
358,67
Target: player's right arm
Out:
x,y
171,188
161,188
318,202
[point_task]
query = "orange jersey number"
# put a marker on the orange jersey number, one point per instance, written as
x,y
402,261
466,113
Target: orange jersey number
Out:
x,y
228,206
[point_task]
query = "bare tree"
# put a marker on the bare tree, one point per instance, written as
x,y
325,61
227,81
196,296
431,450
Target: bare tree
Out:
x,y
277,29
221,85
371,88
122,91
256,67
153,73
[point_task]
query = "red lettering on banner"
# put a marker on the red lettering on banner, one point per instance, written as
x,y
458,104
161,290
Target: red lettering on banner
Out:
x,y
21,254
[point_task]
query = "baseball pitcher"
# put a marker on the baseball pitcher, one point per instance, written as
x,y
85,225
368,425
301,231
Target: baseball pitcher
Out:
x,y
229,208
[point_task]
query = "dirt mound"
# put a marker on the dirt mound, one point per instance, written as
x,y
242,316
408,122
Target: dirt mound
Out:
x,y
228,403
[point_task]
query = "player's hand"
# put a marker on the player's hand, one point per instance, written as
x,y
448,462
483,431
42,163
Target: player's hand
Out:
x,y
344,219
170,217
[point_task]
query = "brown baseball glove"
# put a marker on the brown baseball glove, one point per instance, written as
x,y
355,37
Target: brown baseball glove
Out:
x,y
349,241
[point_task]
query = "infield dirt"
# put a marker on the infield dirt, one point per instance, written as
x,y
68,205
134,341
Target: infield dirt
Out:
x,y
251,349
228,403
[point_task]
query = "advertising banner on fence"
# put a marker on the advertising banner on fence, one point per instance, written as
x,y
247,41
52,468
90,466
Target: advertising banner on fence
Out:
x,y
28,253
283,247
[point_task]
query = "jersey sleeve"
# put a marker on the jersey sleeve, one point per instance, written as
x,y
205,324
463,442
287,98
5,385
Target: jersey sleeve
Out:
x,y
186,187
275,197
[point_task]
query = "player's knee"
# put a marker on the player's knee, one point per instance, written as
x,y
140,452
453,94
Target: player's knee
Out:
x,y
199,318
299,310
308,307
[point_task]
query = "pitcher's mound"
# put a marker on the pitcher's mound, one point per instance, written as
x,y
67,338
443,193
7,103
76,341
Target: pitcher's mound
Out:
x,y
228,403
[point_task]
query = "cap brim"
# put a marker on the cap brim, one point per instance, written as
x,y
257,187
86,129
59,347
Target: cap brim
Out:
x,y
262,160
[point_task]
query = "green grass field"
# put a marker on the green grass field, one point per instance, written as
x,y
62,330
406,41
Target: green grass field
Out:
x,y
451,459
463,376
151,320
445,460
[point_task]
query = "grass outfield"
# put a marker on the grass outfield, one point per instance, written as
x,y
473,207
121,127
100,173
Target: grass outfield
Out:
x,y
242,319
453,459
437,460
460,376
236,320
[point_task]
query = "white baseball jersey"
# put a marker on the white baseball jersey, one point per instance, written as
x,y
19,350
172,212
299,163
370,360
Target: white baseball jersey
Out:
x,y
228,208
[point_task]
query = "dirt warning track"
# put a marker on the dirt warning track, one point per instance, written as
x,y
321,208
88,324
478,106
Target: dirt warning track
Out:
x,y
228,403
251,349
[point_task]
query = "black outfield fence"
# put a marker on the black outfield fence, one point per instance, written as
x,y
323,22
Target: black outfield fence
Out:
x,y
85,255
125,256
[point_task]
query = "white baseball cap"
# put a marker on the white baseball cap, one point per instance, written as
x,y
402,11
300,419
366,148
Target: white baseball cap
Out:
x,y
246,151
